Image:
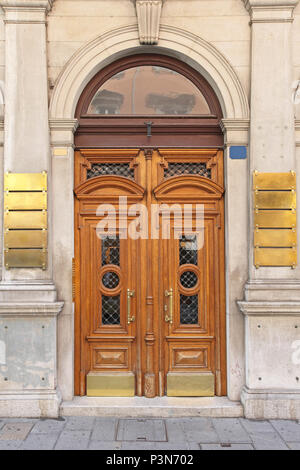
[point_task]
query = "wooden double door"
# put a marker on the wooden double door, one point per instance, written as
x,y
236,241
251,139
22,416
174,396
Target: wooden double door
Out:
x,y
149,297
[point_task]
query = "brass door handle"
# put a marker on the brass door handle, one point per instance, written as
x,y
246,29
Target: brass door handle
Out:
x,y
130,293
169,317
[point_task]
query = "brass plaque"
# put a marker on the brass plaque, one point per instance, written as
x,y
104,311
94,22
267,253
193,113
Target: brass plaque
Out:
x,y
25,239
120,384
273,218
25,219
275,257
275,237
274,181
25,200
25,181
25,258
274,199
201,384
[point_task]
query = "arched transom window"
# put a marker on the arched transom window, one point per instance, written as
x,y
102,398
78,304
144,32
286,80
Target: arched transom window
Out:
x,y
148,90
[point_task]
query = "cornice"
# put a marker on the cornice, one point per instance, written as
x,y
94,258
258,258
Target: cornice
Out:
x,y
63,124
235,124
271,308
27,4
271,11
30,309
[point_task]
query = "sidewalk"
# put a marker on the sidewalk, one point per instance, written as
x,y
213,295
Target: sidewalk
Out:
x,y
82,433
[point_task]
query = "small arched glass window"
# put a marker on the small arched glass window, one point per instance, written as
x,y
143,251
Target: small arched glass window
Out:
x,y
148,90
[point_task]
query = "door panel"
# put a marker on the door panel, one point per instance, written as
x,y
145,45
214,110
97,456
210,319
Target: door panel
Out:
x,y
150,312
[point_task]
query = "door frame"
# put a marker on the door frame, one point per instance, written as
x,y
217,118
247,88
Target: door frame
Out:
x,y
95,132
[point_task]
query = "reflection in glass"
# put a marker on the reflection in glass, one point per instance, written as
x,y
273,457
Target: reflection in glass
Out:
x,y
148,90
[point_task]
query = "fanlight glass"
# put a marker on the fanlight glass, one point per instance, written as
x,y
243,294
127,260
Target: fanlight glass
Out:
x,y
148,90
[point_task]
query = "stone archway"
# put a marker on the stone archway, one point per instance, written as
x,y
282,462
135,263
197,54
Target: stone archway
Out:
x,y
206,59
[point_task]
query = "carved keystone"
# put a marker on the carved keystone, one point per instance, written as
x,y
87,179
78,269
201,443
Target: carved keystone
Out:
x,y
148,15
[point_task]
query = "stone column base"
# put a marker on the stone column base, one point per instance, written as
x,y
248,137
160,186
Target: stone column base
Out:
x,y
30,404
268,404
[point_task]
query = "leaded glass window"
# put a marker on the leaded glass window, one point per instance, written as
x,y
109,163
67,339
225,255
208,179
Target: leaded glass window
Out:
x,y
110,250
187,168
118,169
110,310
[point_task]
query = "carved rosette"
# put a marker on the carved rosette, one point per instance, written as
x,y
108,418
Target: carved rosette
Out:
x,y
148,15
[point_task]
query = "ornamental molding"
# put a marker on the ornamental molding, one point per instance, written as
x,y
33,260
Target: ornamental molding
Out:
x,y
30,309
269,308
27,4
271,11
148,16
63,124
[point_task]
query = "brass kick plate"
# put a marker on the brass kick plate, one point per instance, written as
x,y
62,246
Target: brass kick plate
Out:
x,y
121,384
25,258
25,239
275,181
25,181
25,200
274,219
25,219
200,384
275,237
275,257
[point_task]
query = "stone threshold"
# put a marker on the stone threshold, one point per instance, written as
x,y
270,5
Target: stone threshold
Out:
x,y
158,407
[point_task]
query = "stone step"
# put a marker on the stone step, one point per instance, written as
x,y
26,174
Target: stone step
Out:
x,y
159,407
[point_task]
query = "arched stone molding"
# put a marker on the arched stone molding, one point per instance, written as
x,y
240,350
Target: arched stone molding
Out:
x,y
80,69
124,41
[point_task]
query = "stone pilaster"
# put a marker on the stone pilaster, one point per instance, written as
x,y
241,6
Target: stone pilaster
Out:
x,y
28,298
272,302
62,149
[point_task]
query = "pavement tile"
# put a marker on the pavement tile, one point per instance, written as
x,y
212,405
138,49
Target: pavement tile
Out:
x,y
105,445
79,423
263,435
238,446
268,441
15,431
294,445
10,445
73,440
192,430
141,429
105,429
253,426
230,430
39,442
289,430
48,426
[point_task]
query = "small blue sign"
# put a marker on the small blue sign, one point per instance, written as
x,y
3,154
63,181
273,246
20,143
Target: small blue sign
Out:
x,y
238,152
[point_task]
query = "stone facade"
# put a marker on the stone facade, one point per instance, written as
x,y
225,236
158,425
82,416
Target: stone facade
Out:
x,y
249,51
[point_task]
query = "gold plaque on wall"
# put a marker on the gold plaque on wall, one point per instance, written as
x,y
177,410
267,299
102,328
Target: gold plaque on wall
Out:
x,y
25,258
25,181
275,236
25,220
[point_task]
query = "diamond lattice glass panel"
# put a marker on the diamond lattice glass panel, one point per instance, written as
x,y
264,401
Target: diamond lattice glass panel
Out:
x,y
110,280
148,90
110,250
188,279
110,310
119,169
188,168
188,253
188,309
